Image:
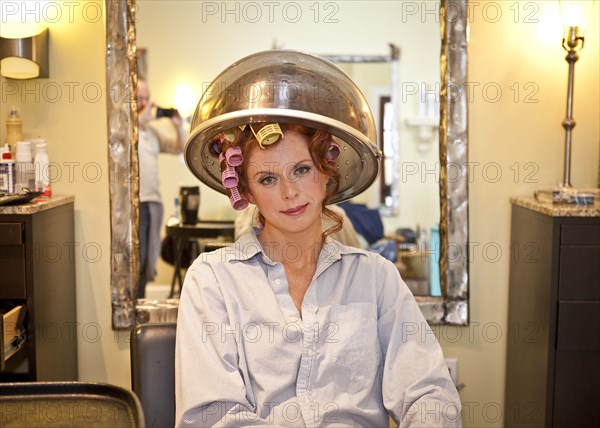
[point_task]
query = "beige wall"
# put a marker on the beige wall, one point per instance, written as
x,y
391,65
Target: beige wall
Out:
x,y
508,134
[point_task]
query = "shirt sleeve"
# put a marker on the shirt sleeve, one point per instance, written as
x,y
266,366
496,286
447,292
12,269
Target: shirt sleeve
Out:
x,y
417,388
209,385
170,136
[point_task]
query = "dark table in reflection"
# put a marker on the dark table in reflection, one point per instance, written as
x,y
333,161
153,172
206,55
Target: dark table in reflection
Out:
x,y
212,234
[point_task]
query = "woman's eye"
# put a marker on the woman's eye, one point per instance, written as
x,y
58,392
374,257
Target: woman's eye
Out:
x,y
267,180
301,170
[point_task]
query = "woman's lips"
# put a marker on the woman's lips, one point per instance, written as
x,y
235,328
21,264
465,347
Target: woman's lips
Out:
x,y
296,210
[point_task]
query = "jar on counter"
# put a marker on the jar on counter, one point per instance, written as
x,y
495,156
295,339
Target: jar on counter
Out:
x,y
25,171
42,174
7,172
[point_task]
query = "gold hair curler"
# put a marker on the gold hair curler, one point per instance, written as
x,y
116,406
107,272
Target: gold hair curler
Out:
x,y
268,134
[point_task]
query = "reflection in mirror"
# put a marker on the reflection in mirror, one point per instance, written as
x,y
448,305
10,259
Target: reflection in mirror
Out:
x,y
218,41
377,77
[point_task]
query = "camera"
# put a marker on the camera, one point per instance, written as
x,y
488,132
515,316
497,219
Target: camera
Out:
x,y
165,112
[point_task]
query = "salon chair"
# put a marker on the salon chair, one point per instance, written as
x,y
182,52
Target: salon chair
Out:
x,y
68,404
153,371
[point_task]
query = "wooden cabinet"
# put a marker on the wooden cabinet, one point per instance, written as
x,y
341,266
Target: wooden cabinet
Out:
x,y
37,292
553,350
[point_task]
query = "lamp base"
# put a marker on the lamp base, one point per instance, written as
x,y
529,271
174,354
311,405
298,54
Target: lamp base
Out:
x,y
560,195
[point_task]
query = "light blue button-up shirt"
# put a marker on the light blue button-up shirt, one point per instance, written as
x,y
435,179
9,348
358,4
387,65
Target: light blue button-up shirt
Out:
x,y
359,352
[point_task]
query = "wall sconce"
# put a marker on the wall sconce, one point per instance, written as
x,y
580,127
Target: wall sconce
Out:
x,y
575,15
185,100
25,57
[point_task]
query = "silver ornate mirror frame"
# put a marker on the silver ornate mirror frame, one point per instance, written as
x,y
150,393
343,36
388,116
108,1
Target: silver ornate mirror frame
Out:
x,y
121,78
121,74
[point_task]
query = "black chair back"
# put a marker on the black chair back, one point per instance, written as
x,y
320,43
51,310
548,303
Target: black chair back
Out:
x,y
153,372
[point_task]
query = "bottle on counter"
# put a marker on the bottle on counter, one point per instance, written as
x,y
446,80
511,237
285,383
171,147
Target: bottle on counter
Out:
x,y
14,130
25,171
7,171
42,174
175,218
434,262
34,142
177,212
421,238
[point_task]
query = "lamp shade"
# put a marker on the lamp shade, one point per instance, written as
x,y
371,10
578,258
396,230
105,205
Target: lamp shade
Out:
x,y
19,68
24,57
576,13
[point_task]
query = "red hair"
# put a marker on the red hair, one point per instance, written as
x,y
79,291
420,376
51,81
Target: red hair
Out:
x,y
319,144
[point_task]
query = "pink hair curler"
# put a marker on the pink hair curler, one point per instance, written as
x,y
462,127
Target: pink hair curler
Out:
x,y
229,178
237,202
234,156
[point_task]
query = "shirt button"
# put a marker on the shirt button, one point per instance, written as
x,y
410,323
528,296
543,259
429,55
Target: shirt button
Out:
x,y
277,282
309,353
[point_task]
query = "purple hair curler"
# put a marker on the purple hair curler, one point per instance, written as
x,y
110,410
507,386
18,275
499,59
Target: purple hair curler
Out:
x,y
333,152
215,148
237,202
229,177
234,156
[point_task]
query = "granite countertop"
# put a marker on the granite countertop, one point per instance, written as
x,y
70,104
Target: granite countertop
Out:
x,y
555,210
37,205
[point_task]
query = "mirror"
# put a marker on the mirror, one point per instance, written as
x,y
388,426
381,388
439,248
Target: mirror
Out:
x,y
377,77
337,28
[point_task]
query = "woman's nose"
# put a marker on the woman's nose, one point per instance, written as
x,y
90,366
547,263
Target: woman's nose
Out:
x,y
289,189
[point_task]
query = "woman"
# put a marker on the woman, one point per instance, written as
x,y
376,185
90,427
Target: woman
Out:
x,y
291,328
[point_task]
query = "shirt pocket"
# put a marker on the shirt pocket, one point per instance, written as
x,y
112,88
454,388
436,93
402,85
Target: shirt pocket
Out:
x,y
355,342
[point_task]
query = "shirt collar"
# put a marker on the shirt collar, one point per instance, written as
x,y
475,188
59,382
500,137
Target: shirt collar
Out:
x,y
248,246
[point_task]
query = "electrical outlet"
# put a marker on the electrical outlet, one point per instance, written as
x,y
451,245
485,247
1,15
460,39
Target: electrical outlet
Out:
x,y
452,364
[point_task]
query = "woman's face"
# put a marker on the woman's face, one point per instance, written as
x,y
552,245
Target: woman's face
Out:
x,y
285,184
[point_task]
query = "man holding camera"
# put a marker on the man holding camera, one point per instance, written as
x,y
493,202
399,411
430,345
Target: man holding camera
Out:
x,y
160,131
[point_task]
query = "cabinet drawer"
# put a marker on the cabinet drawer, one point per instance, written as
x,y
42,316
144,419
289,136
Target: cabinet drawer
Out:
x,y
12,268
578,326
576,389
12,332
580,235
11,234
579,273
